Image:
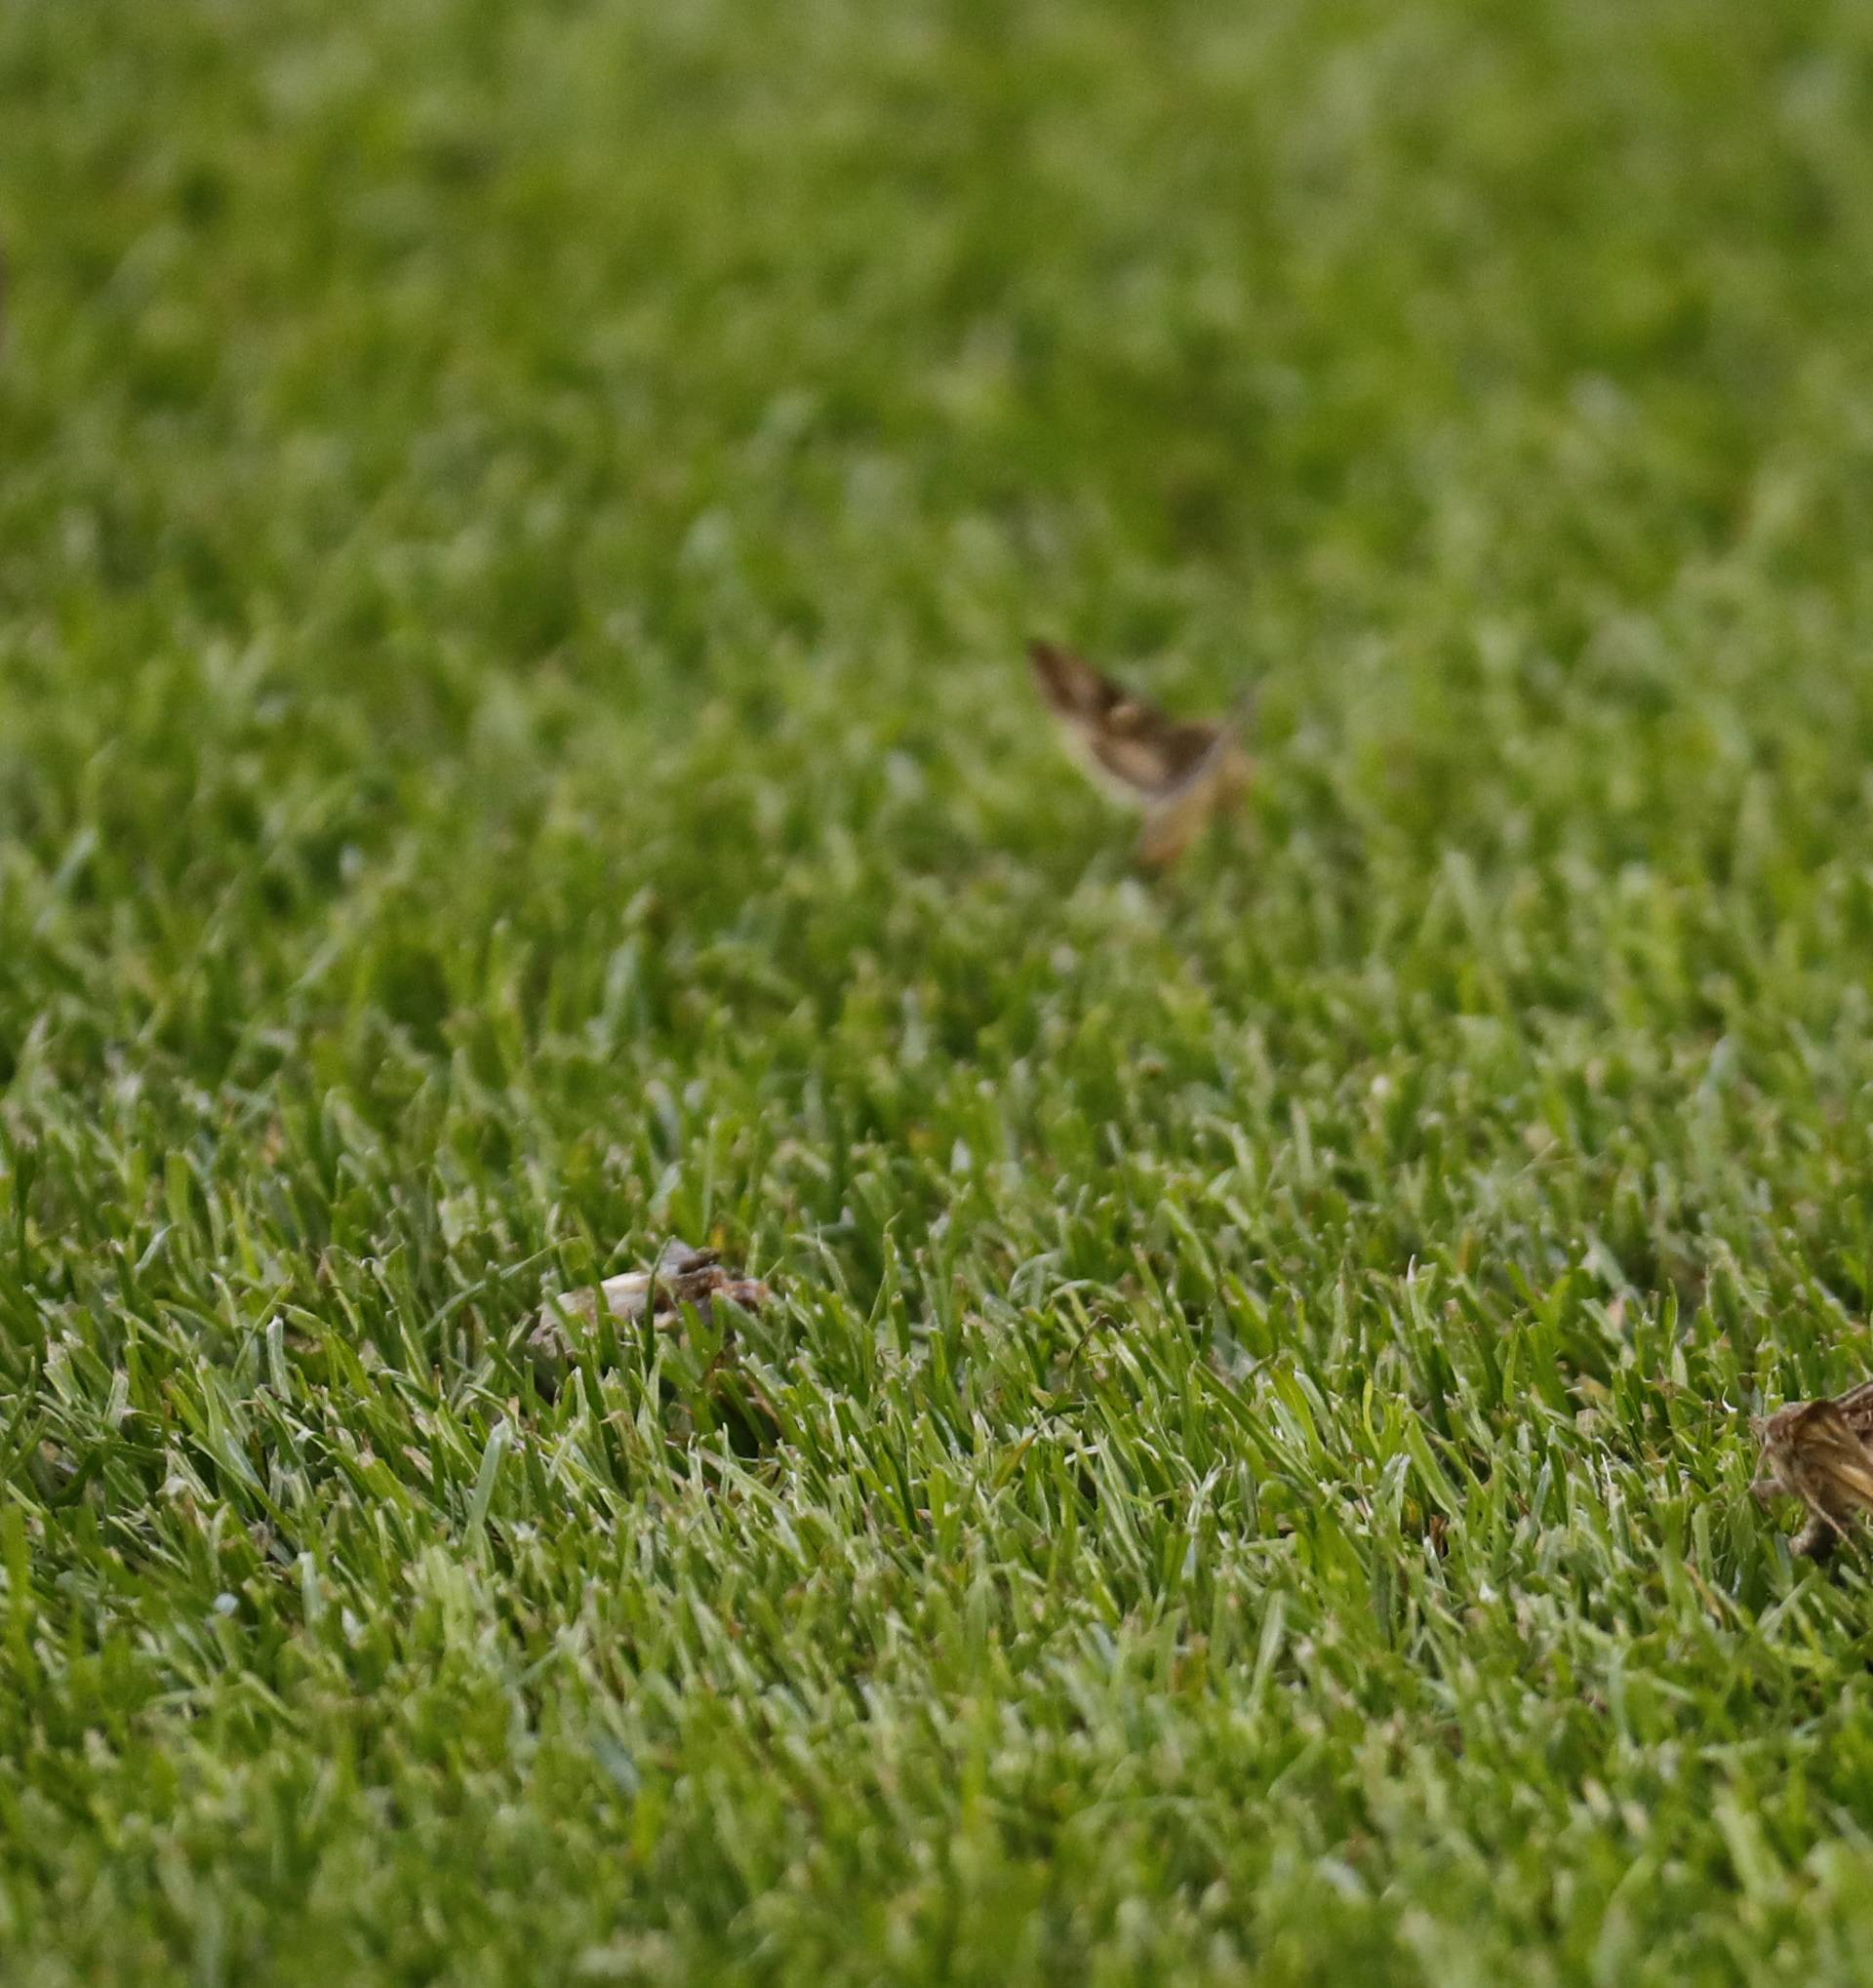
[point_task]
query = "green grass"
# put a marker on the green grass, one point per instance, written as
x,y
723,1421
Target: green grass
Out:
x,y
517,524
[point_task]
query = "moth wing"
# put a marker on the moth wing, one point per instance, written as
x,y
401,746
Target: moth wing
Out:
x,y
1849,1468
1070,686
1173,823
1129,747
1819,1455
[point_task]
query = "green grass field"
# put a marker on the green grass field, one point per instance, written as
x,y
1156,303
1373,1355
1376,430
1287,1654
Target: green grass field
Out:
x,y
517,528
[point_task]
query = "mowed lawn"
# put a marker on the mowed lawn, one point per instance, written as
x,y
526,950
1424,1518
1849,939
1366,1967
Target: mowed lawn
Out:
x,y
518,524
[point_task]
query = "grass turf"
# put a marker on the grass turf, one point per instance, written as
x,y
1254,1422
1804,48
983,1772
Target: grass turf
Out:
x,y
516,528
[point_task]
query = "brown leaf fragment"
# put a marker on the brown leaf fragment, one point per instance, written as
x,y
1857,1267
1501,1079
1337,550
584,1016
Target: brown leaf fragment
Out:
x,y
1821,1453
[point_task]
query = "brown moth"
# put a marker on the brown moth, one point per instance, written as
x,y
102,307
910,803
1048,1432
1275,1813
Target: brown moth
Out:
x,y
1178,771
1821,1451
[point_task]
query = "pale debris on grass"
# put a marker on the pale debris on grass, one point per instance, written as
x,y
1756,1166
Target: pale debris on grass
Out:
x,y
679,1276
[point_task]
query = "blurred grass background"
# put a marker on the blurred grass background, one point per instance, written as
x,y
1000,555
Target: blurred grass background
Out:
x,y
517,524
